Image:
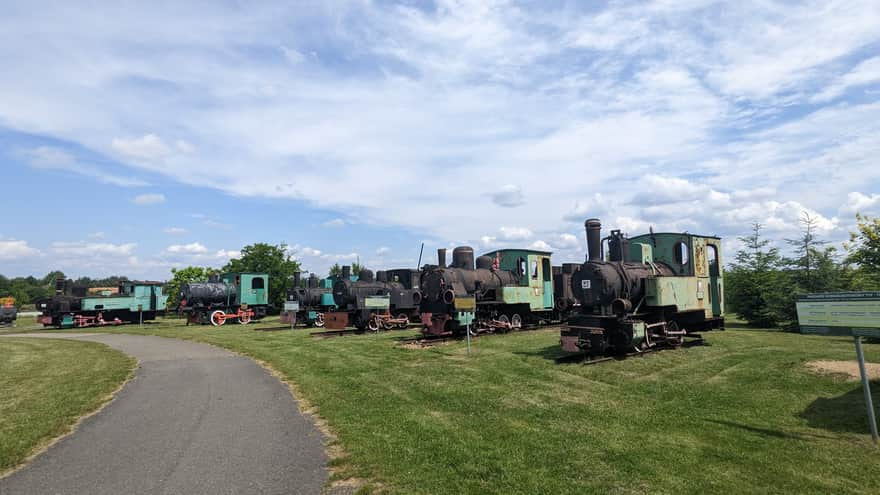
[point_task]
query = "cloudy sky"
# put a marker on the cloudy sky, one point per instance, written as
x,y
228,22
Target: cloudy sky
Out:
x,y
137,136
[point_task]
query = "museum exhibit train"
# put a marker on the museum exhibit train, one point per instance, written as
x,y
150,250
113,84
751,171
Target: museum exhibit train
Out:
x,y
509,287
644,292
73,306
387,300
308,304
8,311
241,297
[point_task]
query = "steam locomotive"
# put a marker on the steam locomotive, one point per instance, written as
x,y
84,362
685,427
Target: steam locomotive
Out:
x,y
308,304
509,287
72,305
389,299
647,291
8,311
231,296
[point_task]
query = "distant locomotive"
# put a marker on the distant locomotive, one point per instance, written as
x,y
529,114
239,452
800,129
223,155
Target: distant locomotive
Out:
x,y
389,299
510,287
652,290
8,311
231,296
72,306
308,304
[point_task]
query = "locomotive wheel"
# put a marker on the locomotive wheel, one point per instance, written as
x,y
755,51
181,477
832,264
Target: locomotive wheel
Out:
x,y
373,324
218,318
675,340
402,316
387,325
319,320
245,318
504,319
516,321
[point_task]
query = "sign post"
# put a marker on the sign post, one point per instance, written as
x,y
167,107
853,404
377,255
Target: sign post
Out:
x,y
466,307
291,307
140,315
855,314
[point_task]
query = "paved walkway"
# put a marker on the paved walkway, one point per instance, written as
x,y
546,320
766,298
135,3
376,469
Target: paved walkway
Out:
x,y
196,419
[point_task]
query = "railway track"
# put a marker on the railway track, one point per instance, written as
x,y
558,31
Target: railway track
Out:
x,y
583,358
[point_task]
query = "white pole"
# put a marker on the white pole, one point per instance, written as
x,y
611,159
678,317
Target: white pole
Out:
x,y
468,328
867,388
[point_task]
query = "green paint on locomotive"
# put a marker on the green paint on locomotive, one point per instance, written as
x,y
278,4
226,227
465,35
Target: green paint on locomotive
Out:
x,y
253,288
536,277
696,262
147,296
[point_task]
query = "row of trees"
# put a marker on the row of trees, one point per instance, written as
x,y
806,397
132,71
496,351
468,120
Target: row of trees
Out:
x,y
762,285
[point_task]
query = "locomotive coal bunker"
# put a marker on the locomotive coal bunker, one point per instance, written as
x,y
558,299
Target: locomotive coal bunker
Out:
x,y
650,290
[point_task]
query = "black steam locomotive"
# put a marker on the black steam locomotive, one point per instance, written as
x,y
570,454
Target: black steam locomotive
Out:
x,y
509,287
308,304
388,299
652,290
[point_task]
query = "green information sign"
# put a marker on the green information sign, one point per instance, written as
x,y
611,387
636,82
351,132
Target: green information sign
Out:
x,y
855,314
377,302
841,313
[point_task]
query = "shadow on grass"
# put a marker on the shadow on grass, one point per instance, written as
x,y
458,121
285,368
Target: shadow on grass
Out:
x,y
843,414
767,432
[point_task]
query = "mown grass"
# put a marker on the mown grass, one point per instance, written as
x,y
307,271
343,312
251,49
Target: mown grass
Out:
x,y
46,385
741,415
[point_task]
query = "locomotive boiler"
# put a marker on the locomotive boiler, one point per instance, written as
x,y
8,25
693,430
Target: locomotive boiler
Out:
x,y
510,287
646,291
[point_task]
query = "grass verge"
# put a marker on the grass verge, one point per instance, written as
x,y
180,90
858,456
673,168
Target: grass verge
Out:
x,y
46,385
741,415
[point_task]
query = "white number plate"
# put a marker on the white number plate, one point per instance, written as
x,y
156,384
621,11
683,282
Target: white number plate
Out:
x,y
585,284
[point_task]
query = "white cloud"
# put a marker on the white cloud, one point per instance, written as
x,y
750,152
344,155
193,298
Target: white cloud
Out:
x,y
52,158
149,199
515,233
11,249
540,246
334,223
192,248
92,249
147,147
175,230
508,196
864,73
857,202
383,250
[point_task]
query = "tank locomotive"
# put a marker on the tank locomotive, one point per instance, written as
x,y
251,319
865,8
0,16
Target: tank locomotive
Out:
x,y
231,296
8,311
649,291
308,304
387,300
73,306
510,288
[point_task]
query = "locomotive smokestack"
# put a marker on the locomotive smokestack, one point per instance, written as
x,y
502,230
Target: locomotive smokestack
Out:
x,y
441,258
346,272
594,239
297,277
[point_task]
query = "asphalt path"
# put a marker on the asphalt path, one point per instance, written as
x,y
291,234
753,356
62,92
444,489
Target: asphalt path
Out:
x,y
196,419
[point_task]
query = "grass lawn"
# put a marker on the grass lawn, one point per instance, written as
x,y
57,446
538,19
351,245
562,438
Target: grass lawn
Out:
x,y
46,385
741,415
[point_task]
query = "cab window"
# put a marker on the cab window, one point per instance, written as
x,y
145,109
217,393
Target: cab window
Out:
x,y
257,283
535,269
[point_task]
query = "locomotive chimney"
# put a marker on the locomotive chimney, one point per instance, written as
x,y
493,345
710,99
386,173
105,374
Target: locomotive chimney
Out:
x,y
463,257
441,258
366,275
594,239
297,277
346,272
381,276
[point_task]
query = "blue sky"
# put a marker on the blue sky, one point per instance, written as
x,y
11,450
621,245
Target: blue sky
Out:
x,y
138,136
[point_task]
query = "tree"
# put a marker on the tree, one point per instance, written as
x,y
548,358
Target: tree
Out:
x,y
336,270
863,251
184,276
266,258
754,279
